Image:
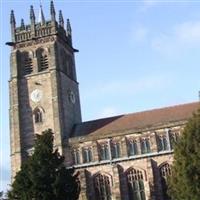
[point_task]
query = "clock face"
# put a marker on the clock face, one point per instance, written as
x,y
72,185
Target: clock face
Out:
x,y
36,95
72,97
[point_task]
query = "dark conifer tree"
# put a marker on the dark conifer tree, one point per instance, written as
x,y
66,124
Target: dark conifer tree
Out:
x,y
184,184
43,176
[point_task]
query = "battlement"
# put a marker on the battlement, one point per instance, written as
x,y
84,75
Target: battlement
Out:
x,y
42,28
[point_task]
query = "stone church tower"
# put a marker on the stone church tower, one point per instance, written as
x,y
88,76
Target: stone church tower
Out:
x,y
122,157
44,90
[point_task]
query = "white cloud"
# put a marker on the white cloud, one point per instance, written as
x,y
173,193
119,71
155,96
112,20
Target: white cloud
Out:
x,y
180,37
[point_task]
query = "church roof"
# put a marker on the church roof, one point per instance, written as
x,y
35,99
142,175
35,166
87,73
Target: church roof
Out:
x,y
136,121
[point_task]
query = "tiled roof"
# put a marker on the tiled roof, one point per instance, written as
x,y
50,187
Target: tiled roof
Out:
x,y
136,121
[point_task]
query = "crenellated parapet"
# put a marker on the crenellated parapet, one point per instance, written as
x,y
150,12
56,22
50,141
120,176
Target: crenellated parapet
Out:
x,y
40,29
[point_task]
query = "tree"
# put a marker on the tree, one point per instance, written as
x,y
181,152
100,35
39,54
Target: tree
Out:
x,y
184,184
43,175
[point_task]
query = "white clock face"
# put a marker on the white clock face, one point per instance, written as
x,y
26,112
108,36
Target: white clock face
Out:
x,y
36,95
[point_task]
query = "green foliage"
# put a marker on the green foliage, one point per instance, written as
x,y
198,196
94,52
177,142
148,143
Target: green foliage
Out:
x,y
184,184
43,176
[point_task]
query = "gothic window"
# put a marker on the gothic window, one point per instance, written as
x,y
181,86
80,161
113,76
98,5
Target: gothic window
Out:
x,y
173,138
162,143
132,148
145,146
28,63
104,152
136,188
38,115
115,148
76,156
102,185
43,62
87,155
165,171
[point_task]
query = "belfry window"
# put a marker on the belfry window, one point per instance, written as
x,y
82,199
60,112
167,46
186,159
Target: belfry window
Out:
x,y
165,171
28,66
115,148
132,148
136,188
87,155
145,146
162,143
38,117
102,185
42,58
43,62
104,152
76,156
27,62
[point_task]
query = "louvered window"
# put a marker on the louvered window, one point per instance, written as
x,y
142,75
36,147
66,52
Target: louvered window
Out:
x,y
43,62
28,66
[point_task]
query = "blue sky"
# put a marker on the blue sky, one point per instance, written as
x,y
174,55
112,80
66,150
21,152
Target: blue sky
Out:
x,y
134,55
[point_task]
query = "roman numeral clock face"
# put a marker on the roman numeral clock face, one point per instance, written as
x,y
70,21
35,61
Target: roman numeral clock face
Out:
x,y
36,95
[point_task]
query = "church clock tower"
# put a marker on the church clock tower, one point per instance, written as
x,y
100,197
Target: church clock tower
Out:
x,y
43,85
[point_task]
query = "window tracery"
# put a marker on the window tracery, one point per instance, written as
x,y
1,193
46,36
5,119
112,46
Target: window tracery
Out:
x,y
135,179
104,152
102,185
165,171
115,148
87,155
132,147
163,143
76,156
145,145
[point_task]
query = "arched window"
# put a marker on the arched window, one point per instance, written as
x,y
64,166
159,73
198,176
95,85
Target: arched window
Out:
x,y
42,58
173,138
132,148
76,156
102,185
165,171
115,148
38,115
104,152
87,155
135,179
27,63
162,143
145,146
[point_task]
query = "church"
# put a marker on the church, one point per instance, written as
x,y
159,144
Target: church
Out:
x,y
123,157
